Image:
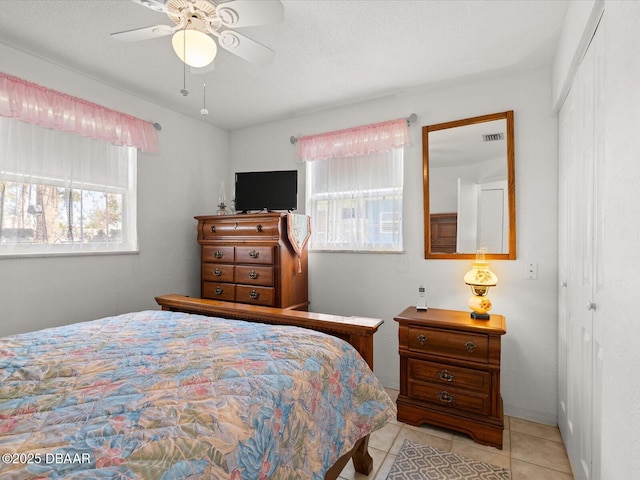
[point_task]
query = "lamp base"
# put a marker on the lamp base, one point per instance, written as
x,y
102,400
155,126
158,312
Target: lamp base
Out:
x,y
479,316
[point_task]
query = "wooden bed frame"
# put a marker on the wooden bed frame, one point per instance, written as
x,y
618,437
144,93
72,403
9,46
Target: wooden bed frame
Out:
x,y
358,331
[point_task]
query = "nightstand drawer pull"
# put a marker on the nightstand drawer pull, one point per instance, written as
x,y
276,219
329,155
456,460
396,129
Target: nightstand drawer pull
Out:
x,y
218,291
253,294
422,339
445,376
217,272
470,347
446,397
213,229
259,228
218,254
254,254
253,274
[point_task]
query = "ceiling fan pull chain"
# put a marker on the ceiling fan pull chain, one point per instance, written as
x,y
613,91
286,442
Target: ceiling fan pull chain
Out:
x,y
204,110
184,92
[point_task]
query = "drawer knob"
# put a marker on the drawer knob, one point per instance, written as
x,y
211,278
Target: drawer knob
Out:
x,y
446,376
446,397
217,272
422,339
259,228
470,347
218,291
253,294
213,229
218,254
253,274
254,254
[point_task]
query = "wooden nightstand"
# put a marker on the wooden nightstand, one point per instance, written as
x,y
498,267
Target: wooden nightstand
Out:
x,y
450,372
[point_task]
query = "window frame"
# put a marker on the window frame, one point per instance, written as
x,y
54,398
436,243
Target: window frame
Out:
x,y
127,190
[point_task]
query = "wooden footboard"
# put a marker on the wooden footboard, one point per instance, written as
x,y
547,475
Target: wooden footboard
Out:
x,y
358,331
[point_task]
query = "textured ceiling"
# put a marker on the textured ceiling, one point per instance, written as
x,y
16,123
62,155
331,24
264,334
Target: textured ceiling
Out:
x,y
328,52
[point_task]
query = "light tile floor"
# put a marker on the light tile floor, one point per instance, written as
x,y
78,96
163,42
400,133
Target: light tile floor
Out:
x,y
531,451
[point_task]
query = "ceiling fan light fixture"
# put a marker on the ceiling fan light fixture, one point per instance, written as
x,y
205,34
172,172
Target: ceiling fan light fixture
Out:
x,y
193,47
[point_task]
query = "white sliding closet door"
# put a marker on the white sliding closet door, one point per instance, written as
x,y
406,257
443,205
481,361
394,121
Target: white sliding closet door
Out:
x,y
581,141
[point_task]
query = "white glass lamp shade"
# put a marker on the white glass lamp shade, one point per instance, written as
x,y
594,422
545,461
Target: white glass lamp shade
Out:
x,y
193,47
481,276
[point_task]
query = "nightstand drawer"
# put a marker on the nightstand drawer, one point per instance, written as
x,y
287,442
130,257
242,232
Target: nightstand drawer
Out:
x,y
423,371
450,397
219,291
447,343
218,254
255,254
254,275
256,295
213,272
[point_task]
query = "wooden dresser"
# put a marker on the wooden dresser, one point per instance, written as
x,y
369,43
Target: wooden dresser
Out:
x,y
450,372
248,259
444,232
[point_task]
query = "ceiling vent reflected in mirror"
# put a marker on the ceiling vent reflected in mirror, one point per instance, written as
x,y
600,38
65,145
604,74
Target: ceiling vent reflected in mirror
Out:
x,y
492,137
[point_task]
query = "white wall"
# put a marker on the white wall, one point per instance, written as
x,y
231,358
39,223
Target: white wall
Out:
x,y
382,285
173,186
618,310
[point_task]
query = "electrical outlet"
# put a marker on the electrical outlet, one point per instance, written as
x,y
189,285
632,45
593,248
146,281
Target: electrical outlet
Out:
x,y
531,271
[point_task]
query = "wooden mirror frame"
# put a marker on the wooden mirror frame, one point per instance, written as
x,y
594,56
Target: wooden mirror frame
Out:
x,y
511,186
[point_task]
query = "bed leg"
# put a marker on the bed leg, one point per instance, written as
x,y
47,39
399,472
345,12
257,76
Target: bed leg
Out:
x,y
362,461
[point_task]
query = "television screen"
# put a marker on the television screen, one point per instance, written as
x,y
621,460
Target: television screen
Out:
x,y
275,190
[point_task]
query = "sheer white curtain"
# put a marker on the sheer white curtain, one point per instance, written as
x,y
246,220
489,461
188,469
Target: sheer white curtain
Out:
x,y
355,187
62,192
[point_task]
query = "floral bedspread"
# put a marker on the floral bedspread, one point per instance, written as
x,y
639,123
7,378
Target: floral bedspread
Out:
x,y
164,395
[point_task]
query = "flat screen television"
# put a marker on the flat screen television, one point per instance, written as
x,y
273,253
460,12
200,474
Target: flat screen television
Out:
x,y
274,190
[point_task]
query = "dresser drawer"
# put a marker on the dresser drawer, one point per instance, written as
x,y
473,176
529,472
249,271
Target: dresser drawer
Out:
x,y
256,295
448,343
222,228
218,254
450,397
255,254
214,272
219,291
457,377
255,275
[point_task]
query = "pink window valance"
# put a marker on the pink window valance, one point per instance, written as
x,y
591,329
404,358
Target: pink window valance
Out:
x,y
357,141
33,103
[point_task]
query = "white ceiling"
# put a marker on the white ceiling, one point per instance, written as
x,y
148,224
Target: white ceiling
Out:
x,y
328,52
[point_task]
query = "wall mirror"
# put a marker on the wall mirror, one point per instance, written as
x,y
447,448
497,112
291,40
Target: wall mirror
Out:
x,y
469,188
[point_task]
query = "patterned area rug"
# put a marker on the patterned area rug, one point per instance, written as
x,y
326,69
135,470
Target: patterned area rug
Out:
x,y
422,462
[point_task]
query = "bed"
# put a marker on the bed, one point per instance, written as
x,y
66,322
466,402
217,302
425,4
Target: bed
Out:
x,y
183,393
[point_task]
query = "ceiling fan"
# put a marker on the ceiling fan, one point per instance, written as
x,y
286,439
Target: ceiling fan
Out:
x,y
197,22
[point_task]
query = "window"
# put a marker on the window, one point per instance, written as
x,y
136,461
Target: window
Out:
x,y
64,193
354,187
356,203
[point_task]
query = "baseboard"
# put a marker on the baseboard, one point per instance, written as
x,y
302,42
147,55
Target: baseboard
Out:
x,y
532,415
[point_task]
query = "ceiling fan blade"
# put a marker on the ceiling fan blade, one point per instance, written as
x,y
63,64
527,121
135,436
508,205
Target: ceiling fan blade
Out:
x,y
245,13
144,33
245,48
155,5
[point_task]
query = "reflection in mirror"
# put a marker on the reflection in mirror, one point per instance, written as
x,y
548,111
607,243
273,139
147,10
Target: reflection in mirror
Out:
x,y
469,187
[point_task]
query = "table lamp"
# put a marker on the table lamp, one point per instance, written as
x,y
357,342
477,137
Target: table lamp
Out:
x,y
480,278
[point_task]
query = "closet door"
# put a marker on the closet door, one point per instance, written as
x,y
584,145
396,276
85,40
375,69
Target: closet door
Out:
x,y
580,348
566,171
